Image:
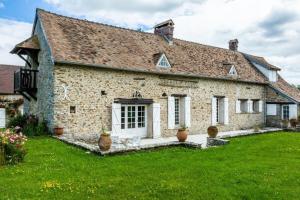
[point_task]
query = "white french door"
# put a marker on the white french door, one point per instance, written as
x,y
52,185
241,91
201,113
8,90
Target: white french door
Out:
x,y
134,120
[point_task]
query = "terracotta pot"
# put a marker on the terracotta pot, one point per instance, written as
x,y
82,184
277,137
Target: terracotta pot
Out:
x,y
212,131
58,131
2,155
104,142
182,135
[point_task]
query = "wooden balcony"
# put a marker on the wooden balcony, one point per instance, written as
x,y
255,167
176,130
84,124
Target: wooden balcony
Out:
x,y
25,82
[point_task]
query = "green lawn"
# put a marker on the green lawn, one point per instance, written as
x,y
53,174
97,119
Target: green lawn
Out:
x,y
254,167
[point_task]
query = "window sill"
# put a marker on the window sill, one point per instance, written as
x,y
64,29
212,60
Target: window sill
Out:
x,y
249,113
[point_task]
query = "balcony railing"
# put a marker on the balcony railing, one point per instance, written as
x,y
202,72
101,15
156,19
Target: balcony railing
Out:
x,y
25,81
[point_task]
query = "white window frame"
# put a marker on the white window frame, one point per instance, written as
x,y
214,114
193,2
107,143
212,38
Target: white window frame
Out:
x,y
255,105
164,58
125,130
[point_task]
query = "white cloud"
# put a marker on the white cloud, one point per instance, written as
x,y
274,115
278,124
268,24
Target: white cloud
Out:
x,y
12,33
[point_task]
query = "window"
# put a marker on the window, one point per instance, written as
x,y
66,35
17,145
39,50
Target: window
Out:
x,y
271,109
285,112
177,111
220,110
141,116
133,117
244,105
123,117
163,62
233,71
255,107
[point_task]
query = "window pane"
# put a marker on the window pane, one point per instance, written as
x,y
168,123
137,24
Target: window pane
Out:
x,y
177,111
122,117
141,116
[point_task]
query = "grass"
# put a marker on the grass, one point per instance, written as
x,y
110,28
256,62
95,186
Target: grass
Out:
x,y
254,167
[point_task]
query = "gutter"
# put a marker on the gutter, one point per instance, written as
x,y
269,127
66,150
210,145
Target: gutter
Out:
x,y
63,62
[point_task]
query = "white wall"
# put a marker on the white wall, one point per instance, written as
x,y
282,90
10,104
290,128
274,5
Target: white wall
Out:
x,y
271,74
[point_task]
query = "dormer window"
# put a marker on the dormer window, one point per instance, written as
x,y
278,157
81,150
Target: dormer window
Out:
x,y
232,71
163,62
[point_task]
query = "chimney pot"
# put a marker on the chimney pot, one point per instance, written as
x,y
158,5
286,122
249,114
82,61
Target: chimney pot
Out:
x,y
234,44
165,29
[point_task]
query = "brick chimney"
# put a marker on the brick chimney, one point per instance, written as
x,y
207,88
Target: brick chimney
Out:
x,y
165,29
234,44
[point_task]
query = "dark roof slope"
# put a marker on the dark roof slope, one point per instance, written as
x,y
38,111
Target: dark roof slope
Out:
x,y
31,43
261,61
284,87
90,43
7,78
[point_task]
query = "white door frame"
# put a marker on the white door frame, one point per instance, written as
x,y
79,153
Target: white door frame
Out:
x,y
137,131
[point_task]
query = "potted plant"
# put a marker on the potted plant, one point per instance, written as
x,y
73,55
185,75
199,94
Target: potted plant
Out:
x,y
104,140
285,123
182,134
293,123
212,131
58,130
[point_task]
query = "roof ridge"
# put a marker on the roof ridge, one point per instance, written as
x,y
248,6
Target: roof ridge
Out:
x,y
93,22
129,29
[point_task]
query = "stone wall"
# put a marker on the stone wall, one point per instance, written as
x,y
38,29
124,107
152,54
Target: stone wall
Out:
x,y
43,107
85,87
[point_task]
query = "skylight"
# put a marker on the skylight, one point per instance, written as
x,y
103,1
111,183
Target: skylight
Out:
x,y
163,62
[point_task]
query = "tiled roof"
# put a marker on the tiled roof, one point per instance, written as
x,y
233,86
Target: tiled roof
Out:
x,y
7,78
286,88
261,61
90,43
31,43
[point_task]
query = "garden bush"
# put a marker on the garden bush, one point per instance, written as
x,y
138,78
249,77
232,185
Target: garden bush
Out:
x,y
293,122
12,149
29,125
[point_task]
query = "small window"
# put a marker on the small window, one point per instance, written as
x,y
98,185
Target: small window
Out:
x,y
232,71
163,62
271,109
255,103
285,112
244,105
219,110
177,111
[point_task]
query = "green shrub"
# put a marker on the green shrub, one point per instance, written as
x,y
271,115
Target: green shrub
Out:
x,y
30,126
13,154
19,120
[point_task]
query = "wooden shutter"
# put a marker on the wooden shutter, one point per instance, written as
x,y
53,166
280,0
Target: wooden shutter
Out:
x,y
250,106
2,118
116,119
260,106
213,111
226,111
293,111
171,112
187,111
238,106
156,120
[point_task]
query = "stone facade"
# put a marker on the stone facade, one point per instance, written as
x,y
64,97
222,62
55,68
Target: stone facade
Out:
x,y
43,107
83,88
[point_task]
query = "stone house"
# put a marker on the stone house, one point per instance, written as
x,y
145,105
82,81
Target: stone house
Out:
x,y
11,103
90,75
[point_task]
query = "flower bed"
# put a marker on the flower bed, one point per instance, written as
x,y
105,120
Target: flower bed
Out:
x,y
12,149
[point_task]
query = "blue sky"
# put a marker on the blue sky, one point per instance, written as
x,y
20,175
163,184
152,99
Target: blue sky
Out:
x,y
22,10
266,28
